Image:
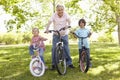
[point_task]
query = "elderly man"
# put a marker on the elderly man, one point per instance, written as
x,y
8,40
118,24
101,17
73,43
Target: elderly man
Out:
x,y
60,19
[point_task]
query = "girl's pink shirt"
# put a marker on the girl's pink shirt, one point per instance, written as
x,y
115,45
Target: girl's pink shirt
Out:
x,y
38,41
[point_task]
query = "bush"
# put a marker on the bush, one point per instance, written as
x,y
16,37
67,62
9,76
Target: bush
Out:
x,y
15,38
19,38
26,37
105,39
1,38
9,38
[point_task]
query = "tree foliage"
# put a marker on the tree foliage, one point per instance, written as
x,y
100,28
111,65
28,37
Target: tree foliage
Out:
x,y
115,7
104,18
31,13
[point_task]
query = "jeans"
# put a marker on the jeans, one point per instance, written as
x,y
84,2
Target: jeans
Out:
x,y
41,51
65,47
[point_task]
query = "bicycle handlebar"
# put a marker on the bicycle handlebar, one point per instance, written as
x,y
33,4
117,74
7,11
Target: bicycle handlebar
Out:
x,y
79,36
59,30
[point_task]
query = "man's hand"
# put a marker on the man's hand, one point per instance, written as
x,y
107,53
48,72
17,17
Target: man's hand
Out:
x,y
47,31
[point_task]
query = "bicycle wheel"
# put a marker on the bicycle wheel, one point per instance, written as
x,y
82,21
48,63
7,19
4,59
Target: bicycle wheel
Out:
x,y
84,62
37,67
60,61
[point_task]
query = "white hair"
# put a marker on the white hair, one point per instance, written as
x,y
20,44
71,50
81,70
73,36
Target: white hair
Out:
x,y
60,5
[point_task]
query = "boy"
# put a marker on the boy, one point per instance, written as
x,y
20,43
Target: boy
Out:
x,y
83,32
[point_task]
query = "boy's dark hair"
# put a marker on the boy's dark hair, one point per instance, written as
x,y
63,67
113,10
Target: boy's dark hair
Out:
x,y
83,21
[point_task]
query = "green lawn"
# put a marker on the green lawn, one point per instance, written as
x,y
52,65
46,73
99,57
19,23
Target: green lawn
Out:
x,y
14,63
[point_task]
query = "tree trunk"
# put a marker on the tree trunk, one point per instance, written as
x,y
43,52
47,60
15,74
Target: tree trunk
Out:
x,y
54,6
119,32
118,21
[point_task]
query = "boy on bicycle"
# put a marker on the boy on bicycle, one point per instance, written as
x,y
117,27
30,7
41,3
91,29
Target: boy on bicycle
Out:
x,y
83,32
37,44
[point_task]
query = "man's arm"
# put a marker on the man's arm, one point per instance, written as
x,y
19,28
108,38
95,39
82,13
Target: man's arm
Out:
x,y
68,19
69,22
47,26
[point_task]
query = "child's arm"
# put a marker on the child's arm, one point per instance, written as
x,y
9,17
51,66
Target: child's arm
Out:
x,y
73,33
90,33
31,42
43,39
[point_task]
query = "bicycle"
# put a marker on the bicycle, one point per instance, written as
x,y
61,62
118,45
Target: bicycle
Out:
x,y
37,67
60,59
84,58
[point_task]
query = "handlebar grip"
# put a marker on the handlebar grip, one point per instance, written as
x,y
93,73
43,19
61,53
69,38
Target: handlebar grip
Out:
x,y
69,26
50,31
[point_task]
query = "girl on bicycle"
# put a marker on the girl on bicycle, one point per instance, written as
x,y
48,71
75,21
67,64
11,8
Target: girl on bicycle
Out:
x,y
83,32
37,44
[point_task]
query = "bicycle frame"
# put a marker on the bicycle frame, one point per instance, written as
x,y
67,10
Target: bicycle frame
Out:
x,y
60,60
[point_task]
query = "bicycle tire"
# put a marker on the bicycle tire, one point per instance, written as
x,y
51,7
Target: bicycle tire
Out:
x,y
37,67
84,62
60,61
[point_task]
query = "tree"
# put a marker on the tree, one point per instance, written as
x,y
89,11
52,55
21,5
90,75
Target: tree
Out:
x,y
21,11
105,16
115,7
28,13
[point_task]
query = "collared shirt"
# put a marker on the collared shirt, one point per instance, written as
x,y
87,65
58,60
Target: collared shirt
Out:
x,y
83,32
60,22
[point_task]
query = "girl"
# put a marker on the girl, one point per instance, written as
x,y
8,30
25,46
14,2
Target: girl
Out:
x,y
37,44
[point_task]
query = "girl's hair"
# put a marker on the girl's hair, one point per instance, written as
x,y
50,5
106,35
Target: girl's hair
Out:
x,y
35,29
83,21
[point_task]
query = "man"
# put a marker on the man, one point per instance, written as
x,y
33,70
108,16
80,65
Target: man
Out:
x,y
60,19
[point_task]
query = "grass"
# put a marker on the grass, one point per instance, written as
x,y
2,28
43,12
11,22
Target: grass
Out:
x,y
14,63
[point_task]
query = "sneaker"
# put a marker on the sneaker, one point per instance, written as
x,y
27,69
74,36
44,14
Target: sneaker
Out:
x,y
71,66
53,67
